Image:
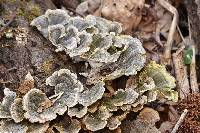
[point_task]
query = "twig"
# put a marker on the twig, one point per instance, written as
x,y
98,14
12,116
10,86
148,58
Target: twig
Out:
x,y
189,27
11,69
168,45
193,75
180,33
180,121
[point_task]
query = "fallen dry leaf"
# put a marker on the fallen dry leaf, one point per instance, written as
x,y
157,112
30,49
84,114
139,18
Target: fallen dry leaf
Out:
x,y
27,84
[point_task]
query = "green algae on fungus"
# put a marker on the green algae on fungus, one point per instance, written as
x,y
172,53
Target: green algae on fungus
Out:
x,y
120,98
98,120
164,82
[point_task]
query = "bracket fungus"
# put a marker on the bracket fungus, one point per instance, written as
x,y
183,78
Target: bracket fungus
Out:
x,y
16,110
72,93
113,123
99,43
95,40
120,98
6,103
79,111
98,120
164,82
34,102
73,126
9,126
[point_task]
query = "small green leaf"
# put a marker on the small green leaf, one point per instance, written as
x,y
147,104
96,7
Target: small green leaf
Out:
x,y
187,56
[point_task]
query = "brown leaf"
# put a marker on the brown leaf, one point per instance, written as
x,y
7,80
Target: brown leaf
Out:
x,y
27,84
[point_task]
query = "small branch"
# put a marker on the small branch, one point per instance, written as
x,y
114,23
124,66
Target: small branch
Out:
x,y
170,39
193,75
189,27
180,33
180,121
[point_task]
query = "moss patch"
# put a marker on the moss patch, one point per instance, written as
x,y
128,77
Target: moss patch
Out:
x,y
29,10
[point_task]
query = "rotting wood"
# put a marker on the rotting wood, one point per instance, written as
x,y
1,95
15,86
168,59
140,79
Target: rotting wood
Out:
x,y
181,73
